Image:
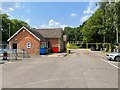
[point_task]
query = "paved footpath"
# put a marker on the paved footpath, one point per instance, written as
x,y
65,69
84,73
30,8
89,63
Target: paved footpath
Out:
x,y
77,70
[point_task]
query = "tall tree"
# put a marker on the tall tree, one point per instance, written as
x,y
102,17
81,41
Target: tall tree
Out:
x,y
93,29
14,26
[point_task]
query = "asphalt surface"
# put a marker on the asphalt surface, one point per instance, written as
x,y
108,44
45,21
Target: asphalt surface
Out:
x,y
0,76
80,69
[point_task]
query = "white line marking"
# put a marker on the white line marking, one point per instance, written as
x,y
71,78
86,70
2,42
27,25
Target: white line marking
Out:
x,y
100,56
110,63
45,81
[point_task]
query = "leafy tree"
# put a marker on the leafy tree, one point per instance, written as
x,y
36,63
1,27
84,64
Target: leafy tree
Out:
x,y
102,26
14,26
5,22
92,31
111,20
73,34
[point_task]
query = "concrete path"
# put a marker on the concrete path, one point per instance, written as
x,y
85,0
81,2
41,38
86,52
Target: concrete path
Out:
x,y
77,70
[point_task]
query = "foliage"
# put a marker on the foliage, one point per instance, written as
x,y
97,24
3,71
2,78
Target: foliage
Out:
x,y
93,29
74,34
73,46
14,26
102,26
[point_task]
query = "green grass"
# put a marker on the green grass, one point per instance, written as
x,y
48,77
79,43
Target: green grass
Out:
x,y
73,46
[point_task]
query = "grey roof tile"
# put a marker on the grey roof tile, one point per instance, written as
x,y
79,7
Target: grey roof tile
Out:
x,y
50,33
38,35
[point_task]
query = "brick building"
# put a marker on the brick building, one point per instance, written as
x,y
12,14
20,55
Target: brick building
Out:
x,y
54,36
32,39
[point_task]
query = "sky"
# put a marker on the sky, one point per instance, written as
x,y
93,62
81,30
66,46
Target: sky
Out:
x,y
50,14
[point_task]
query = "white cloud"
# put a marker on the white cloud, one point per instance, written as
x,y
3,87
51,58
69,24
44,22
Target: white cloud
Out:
x,y
10,9
73,15
88,11
51,23
1,10
8,14
84,18
17,5
27,20
63,26
54,24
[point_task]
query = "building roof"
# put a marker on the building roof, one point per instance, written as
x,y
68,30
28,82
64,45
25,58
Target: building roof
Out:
x,y
50,33
37,35
41,34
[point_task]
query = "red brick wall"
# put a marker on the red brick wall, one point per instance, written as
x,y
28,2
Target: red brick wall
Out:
x,y
53,42
22,38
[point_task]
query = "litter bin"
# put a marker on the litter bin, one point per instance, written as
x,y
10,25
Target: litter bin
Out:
x,y
43,51
5,56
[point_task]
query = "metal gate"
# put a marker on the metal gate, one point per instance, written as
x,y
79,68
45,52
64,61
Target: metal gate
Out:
x,y
82,44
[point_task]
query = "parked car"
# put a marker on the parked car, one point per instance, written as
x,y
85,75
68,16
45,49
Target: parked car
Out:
x,y
113,56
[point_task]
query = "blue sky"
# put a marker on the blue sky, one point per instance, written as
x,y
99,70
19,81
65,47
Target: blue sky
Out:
x,y
50,14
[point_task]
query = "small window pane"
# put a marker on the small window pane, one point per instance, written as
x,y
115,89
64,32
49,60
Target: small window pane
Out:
x,y
28,45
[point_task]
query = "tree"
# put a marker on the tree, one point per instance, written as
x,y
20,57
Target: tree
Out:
x,y
93,29
102,26
73,34
111,20
5,22
14,26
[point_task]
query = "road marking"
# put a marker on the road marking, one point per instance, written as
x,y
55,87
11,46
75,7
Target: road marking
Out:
x,y
46,81
110,63
100,56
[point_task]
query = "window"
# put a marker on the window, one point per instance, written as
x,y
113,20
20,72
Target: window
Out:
x,y
28,45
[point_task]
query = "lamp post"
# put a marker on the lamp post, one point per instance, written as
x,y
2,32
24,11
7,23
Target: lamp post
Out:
x,y
116,23
117,36
9,29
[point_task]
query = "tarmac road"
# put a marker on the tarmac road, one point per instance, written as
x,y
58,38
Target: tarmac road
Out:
x,y
80,69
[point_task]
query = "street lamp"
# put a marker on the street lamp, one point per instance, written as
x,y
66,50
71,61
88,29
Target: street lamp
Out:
x,y
117,36
116,24
9,29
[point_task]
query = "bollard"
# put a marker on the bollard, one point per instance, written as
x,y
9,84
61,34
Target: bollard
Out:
x,y
67,47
